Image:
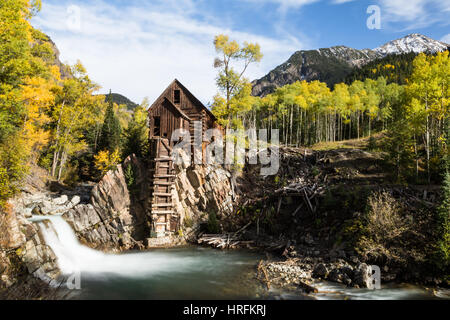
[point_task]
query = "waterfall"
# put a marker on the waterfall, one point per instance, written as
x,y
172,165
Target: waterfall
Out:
x,y
74,257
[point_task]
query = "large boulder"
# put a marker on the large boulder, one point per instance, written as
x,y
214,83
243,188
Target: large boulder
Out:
x,y
25,250
110,197
320,271
200,190
362,275
114,219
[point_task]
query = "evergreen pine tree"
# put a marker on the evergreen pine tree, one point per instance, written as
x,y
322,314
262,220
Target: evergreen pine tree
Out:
x,y
136,134
443,223
111,130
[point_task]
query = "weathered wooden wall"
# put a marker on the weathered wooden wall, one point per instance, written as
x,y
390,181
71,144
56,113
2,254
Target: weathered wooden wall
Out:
x,y
170,120
189,105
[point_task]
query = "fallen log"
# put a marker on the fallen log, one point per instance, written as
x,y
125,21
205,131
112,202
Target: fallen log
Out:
x,y
222,241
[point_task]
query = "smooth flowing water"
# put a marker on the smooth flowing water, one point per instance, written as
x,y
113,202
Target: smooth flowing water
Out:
x,y
184,273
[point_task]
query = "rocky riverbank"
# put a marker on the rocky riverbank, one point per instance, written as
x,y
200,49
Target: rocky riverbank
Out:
x,y
336,212
109,216
303,275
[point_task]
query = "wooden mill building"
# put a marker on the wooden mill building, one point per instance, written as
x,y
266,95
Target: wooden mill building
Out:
x,y
175,108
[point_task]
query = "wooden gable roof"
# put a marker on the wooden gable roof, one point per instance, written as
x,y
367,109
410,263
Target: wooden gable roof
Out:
x,y
175,108
167,93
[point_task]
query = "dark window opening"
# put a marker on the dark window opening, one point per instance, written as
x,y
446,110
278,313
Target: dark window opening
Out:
x,y
157,126
177,97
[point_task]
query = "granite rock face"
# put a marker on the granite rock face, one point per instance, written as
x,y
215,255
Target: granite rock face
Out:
x,y
200,190
25,251
115,217
103,217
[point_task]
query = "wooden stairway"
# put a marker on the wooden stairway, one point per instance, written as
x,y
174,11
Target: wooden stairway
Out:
x,y
161,210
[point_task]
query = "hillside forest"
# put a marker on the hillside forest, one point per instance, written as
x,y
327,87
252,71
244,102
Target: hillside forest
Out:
x,y
399,107
51,114
410,111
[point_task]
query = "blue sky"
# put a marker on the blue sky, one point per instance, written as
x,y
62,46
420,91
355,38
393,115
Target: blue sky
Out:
x,y
137,47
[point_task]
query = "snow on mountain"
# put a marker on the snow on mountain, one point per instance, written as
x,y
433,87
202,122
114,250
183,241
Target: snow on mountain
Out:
x,y
331,65
412,43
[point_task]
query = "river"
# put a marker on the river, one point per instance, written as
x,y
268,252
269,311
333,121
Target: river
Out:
x,y
186,273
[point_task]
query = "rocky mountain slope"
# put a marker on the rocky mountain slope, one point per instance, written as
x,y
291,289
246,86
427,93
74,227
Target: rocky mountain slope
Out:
x,y
412,43
120,99
332,65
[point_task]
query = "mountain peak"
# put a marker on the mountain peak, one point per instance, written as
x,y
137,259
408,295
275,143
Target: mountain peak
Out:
x,y
332,65
414,42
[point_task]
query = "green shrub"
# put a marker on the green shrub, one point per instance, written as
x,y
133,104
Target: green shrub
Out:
x,y
315,171
188,222
384,229
130,178
213,224
372,144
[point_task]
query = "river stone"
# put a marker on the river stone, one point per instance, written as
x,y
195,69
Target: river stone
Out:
x,y
75,201
6,281
320,271
47,207
362,276
348,270
336,276
61,200
346,279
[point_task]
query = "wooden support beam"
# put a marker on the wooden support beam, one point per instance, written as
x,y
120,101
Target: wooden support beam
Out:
x,y
164,176
162,212
160,194
162,205
163,183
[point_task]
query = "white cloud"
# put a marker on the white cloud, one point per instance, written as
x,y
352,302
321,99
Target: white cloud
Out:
x,y
398,14
287,3
342,1
138,50
446,38
410,14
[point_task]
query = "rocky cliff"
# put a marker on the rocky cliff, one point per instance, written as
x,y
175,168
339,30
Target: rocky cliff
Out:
x,y
22,246
328,65
199,191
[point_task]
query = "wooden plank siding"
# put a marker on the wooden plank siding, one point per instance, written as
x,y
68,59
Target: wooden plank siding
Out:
x,y
175,108
189,105
169,119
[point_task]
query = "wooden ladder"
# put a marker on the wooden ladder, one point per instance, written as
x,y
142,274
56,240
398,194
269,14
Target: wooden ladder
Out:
x,y
163,216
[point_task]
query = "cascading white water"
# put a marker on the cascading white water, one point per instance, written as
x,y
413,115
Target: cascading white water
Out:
x,y
74,257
